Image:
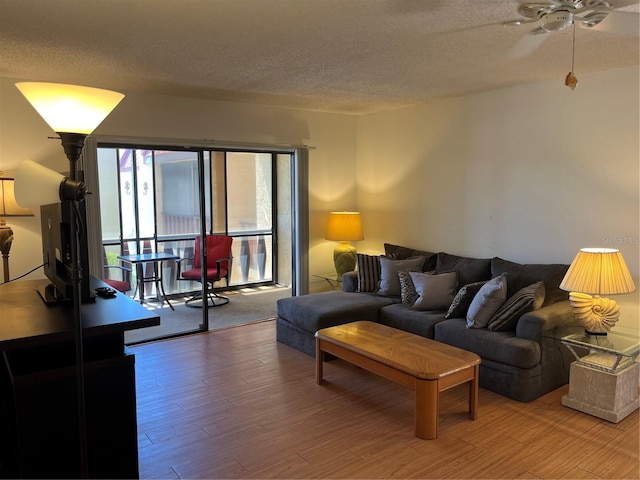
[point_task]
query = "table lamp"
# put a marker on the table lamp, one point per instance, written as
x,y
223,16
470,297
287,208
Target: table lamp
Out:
x,y
344,227
8,208
597,271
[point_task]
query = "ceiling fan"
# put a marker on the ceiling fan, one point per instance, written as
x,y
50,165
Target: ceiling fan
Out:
x,y
556,15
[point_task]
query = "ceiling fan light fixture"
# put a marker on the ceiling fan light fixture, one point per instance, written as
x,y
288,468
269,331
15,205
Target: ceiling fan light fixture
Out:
x,y
554,21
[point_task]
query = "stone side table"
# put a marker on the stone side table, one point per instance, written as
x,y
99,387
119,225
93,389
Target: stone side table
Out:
x,y
604,383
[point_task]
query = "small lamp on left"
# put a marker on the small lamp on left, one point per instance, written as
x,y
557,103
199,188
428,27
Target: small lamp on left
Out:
x,y
8,208
344,227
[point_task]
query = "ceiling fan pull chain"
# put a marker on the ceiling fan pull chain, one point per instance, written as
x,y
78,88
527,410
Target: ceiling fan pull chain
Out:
x,y
571,80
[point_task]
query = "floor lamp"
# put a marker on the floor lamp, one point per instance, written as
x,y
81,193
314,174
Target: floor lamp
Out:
x,y
8,208
73,112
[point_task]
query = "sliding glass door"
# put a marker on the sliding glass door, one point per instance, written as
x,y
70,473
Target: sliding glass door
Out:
x,y
157,199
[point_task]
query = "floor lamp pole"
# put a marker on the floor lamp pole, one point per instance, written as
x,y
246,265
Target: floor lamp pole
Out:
x,y
73,144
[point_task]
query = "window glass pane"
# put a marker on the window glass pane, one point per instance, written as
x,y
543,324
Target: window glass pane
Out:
x,y
159,196
127,193
108,175
177,206
218,197
249,211
249,192
144,182
252,259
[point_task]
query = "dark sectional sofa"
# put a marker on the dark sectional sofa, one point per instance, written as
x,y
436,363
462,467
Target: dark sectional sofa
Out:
x,y
523,359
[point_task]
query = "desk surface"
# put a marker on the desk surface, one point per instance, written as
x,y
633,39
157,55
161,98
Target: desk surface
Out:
x,y
148,257
26,321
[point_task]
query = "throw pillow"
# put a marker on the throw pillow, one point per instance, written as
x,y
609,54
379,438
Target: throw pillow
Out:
x,y
407,290
469,270
389,280
521,275
525,300
368,267
435,292
487,301
462,300
398,252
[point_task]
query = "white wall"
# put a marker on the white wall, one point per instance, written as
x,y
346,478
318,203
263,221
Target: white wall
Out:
x,y
530,173
23,134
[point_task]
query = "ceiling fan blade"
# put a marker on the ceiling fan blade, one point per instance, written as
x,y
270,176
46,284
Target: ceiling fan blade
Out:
x,y
623,23
527,45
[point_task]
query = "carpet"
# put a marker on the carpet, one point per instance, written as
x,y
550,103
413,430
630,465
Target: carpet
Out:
x,y
246,305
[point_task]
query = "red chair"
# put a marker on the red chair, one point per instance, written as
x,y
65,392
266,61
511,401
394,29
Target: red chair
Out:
x,y
122,284
219,259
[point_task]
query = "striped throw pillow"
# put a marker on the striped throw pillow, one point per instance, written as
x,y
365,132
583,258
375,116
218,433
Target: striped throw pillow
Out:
x,y
368,267
525,300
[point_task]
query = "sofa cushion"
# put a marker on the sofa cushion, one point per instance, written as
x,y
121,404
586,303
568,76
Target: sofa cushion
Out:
x,y
469,270
521,275
327,309
400,253
435,292
368,268
462,300
502,347
523,301
389,268
405,318
487,301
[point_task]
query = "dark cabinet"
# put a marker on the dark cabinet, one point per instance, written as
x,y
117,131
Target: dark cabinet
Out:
x,y
39,401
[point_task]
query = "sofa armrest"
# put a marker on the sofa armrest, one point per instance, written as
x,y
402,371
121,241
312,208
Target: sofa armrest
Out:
x,y
555,320
350,282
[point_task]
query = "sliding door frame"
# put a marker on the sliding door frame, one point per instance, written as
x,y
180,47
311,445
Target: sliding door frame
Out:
x,y
299,165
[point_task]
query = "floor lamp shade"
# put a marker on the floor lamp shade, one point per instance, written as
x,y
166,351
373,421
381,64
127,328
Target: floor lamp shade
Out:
x,y
597,271
344,227
70,108
8,208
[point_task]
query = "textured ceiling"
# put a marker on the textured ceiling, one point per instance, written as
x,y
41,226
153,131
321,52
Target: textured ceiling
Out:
x,y
350,56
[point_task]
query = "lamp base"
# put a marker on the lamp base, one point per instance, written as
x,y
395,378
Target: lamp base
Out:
x,y
6,239
597,314
344,258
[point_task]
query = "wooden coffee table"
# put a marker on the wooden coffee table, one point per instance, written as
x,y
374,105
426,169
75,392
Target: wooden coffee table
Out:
x,y
426,366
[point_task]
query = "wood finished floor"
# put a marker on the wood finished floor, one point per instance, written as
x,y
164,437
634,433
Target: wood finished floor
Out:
x,y
235,403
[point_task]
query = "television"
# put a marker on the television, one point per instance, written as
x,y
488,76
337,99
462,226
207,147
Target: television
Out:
x,y
56,252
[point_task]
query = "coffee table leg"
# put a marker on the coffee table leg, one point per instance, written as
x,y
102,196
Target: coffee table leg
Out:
x,y
318,362
473,394
426,409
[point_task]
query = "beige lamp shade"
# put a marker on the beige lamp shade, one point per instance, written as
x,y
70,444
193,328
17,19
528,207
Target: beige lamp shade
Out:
x,y
597,271
8,205
8,208
70,108
36,184
344,227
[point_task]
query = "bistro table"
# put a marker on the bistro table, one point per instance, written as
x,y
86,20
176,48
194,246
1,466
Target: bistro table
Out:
x,y
139,259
